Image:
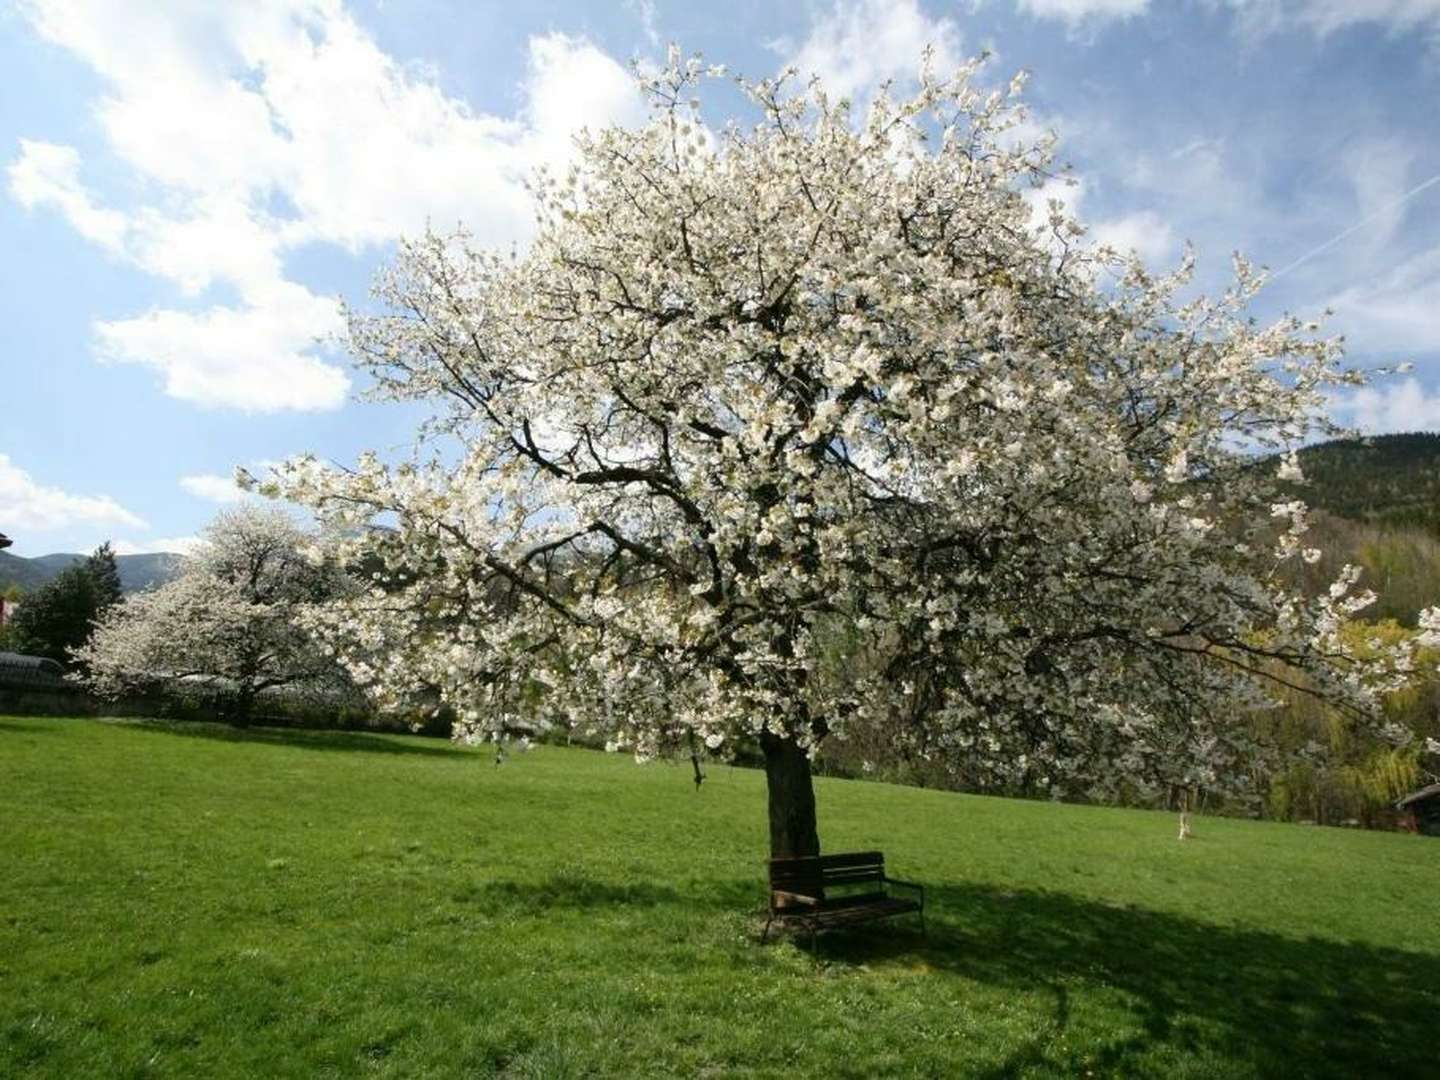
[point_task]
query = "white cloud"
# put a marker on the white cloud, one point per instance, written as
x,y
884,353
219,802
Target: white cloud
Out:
x,y
860,43
1393,311
1069,192
1322,17
1201,176
27,505
571,85
1078,11
167,545
47,175
212,487
1145,233
1379,170
258,129
644,10
1391,406
254,357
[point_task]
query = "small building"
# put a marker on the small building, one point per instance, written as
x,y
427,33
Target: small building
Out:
x,y
1420,811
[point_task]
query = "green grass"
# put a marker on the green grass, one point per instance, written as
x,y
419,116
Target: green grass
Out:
x,y
195,902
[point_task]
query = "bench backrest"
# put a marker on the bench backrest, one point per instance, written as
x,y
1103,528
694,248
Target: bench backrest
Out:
x,y
810,875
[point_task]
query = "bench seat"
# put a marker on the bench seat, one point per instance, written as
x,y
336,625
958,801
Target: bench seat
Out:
x,y
805,891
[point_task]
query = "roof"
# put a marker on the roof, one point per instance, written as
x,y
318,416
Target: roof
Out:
x,y
20,670
1431,792
29,663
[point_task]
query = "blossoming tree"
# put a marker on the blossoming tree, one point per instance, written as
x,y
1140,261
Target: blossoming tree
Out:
x,y
787,427
229,618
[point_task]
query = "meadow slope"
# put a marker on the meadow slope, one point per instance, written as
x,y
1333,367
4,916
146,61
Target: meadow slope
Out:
x,y
197,902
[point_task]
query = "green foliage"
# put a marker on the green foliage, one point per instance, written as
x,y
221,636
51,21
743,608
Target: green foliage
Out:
x,y
103,568
1354,776
1377,504
194,901
59,616
1402,565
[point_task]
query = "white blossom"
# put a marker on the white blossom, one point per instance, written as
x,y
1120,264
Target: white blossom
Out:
x,y
227,625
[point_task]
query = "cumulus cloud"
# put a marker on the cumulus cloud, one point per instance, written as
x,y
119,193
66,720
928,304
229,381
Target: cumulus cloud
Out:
x,y
212,487
28,505
1391,406
1145,233
47,175
257,130
859,43
256,357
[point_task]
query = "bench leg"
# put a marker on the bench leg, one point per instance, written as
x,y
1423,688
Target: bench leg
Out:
x,y
923,932
766,932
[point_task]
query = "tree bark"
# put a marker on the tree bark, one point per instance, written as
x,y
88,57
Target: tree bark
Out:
x,y
791,799
242,706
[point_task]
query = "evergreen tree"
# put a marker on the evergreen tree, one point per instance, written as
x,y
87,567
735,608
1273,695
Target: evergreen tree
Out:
x,y
58,616
102,567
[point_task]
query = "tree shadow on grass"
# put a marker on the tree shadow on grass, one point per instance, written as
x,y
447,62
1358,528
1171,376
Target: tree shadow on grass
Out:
x,y
25,729
1272,1005
299,738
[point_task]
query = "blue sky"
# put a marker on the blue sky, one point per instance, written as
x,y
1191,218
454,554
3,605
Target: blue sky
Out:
x,y
187,187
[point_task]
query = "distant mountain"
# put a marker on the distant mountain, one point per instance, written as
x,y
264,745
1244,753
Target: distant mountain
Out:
x,y
136,571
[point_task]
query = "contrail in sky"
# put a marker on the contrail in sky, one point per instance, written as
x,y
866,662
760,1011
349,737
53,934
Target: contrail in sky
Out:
x,y
1328,244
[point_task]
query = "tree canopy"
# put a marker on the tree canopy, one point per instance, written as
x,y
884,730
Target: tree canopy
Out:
x,y
778,429
106,574
56,619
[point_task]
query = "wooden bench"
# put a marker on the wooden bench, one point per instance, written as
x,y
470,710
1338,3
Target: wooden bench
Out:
x,y
803,890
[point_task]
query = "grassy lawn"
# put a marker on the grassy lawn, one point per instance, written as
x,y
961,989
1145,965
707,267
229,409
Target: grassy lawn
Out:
x,y
195,902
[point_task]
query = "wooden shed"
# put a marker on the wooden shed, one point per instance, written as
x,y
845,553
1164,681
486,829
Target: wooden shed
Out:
x,y
1421,810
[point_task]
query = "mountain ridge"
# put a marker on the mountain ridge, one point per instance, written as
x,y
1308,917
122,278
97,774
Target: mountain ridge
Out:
x,y
137,572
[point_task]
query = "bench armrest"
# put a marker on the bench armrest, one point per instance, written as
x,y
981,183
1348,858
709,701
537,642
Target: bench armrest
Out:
x,y
779,897
907,885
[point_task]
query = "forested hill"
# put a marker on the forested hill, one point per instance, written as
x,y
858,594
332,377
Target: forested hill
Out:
x,y
1377,505
1389,480
136,571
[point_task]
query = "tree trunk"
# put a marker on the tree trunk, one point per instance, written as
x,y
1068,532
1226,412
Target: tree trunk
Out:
x,y
242,706
791,797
